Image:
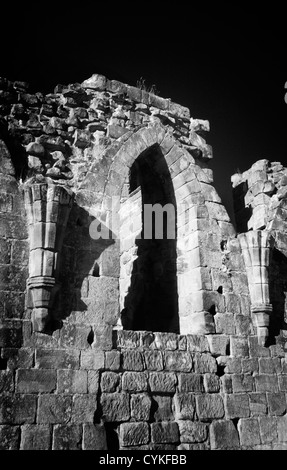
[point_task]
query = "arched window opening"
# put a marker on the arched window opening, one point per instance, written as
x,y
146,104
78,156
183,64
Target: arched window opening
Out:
x,y
148,283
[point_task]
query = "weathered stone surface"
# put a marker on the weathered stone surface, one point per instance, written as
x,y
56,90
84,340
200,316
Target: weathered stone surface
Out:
x,y
94,437
72,381
180,361
164,432
165,341
242,383
132,360
196,343
93,381
268,429
115,406
57,359
6,381
153,360
133,434
282,428
162,382
36,437
236,406
184,404
110,381
258,404
269,365
54,409
9,437
35,381
67,437
140,407
239,346
134,381
92,359
211,383
84,408
224,435
218,344
276,403
204,363
209,406
17,409
112,360
162,408
249,432
190,383
266,383
191,432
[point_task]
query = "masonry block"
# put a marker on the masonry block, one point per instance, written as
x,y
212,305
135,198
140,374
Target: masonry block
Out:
x,y
236,406
239,346
211,383
204,363
249,432
94,437
92,360
242,383
184,404
282,428
209,406
258,404
9,437
57,359
192,432
266,383
197,343
283,382
133,434
6,381
269,365
140,407
126,339
218,344
72,381
268,429
165,341
132,360
36,437
112,360
162,382
11,334
110,381
153,360
93,381
17,409
135,381
276,403
190,383
115,407
164,432
226,384
255,349
162,408
224,435
84,408
180,361
67,437
35,381
54,409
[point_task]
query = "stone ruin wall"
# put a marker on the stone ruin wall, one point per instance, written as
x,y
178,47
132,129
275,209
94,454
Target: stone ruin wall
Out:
x,y
74,374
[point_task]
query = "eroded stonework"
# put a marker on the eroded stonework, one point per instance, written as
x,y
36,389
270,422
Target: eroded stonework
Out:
x,y
122,340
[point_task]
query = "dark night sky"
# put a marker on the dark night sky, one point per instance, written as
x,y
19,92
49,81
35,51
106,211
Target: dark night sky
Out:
x,y
232,75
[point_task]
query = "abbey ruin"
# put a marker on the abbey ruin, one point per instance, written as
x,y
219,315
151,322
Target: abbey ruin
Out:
x,y
125,341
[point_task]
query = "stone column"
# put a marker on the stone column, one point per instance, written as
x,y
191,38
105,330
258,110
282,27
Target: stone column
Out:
x,y
256,248
47,208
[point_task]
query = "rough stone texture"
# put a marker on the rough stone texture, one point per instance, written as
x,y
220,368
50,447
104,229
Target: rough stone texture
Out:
x,y
223,435
106,353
